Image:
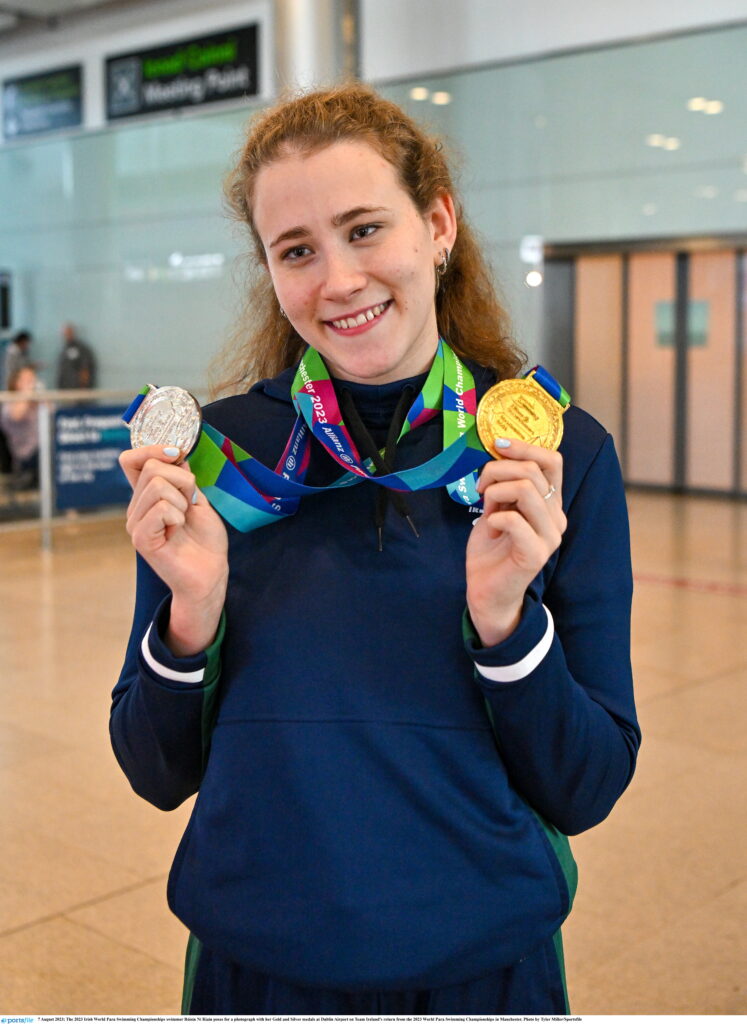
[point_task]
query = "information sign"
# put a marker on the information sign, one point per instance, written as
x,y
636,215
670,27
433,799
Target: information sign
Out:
x,y
43,103
188,73
87,442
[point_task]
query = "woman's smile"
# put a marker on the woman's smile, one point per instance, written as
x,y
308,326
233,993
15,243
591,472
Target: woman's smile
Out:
x,y
361,320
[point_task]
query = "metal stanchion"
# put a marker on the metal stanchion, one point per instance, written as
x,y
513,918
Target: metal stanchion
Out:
x,y
46,479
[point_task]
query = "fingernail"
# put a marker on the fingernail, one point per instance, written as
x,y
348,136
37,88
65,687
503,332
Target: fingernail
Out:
x,y
171,452
502,442
195,496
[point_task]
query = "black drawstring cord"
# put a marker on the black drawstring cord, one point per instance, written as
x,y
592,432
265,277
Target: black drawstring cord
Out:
x,y
383,463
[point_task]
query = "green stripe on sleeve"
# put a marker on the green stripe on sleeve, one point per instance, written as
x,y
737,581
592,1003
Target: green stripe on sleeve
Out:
x,y
558,943
191,960
210,687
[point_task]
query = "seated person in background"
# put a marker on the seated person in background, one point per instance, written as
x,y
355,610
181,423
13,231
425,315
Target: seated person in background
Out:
x,y
21,428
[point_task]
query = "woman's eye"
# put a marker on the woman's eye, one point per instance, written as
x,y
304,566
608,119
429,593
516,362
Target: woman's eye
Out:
x,y
296,253
364,230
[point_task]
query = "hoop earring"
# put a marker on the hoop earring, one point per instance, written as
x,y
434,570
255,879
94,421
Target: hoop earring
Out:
x,y
441,269
443,266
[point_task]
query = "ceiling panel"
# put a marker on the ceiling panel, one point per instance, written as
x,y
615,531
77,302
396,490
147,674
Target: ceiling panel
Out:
x,y
24,14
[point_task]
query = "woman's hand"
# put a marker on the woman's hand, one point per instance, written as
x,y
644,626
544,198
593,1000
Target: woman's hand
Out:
x,y
180,536
521,526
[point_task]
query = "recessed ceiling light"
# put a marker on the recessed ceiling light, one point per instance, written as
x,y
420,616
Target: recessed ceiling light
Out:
x,y
713,107
672,143
441,98
706,192
697,103
741,195
533,279
418,92
655,140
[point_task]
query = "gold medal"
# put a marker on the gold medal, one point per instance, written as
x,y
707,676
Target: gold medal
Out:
x,y
520,409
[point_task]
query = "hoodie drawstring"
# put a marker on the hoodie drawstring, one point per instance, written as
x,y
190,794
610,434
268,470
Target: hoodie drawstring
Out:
x,y
384,462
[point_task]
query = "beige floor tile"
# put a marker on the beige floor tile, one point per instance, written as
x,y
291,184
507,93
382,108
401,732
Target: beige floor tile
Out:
x,y
40,877
651,683
19,745
695,965
693,652
666,850
711,715
141,919
661,764
118,827
61,967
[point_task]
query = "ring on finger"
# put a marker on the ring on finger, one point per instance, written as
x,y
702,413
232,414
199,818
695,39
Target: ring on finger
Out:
x,y
549,493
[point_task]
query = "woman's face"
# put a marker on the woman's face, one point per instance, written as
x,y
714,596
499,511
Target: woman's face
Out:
x,y
26,379
352,260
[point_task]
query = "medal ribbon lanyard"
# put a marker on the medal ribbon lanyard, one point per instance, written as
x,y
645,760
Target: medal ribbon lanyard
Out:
x,y
248,494
555,390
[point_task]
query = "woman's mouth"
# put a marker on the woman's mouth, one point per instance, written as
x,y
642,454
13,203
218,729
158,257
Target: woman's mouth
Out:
x,y
361,319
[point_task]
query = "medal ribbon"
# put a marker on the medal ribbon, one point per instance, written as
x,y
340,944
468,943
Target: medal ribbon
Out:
x,y
248,494
555,390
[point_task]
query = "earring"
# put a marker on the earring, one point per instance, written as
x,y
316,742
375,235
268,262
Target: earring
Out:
x,y
283,313
442,267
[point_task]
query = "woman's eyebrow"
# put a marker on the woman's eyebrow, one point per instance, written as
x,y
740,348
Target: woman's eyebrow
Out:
x,y
299,232
357,211
337,221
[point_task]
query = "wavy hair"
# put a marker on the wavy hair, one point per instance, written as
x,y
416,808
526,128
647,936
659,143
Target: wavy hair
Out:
x,y
468,313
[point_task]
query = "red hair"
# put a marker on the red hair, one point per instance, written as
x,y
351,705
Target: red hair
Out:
x,y
468,313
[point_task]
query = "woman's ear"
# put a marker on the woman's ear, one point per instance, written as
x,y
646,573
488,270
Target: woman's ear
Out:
x,y
442,222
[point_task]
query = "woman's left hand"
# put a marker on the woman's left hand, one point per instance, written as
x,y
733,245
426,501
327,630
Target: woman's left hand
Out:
x,y
521,526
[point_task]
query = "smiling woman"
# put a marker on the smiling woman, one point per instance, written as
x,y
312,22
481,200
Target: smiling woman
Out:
x,y
384,797
382,138
350,257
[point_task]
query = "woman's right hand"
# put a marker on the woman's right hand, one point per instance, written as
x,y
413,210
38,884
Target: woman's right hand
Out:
x,y
175,529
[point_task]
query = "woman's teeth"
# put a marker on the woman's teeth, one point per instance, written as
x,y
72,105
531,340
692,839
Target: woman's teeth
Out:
x,y
357,321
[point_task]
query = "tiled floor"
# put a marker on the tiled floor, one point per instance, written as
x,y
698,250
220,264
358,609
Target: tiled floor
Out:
x,y
659,923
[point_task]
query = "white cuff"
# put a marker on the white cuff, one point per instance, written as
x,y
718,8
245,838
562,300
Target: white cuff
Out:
x,y
168,673
520,669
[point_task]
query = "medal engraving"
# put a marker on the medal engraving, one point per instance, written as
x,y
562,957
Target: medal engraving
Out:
x,y
169,416
520,409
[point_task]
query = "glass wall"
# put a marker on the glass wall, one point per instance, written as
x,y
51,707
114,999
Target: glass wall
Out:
x,y
629,142
123,231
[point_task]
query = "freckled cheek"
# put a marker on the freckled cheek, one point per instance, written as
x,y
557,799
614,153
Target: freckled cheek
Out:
x,y
295,300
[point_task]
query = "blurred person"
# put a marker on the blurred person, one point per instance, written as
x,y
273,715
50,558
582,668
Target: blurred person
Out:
x,y
76,367
20,424
17,354
394,700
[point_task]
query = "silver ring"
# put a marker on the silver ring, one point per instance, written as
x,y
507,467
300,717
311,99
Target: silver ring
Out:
x,y
549,493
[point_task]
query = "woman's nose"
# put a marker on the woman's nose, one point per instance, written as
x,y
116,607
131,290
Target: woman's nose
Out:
x,y
342,277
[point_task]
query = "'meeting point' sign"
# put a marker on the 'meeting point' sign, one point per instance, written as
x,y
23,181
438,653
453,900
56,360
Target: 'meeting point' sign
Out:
x,y
191,72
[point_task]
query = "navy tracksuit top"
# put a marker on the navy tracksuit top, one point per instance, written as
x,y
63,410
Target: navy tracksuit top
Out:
x,y
377,808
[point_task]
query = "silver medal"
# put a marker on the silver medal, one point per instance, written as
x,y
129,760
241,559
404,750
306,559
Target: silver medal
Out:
x,y
168,416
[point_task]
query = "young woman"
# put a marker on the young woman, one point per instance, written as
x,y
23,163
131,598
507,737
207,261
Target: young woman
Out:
x,y
20,425
394,704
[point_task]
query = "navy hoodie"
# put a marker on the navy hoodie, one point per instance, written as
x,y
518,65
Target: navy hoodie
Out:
x,y
382,803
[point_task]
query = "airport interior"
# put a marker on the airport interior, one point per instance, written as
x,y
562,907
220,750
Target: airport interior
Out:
x,y
602,161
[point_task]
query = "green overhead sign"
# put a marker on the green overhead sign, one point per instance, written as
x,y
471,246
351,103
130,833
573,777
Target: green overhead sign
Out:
x,y
186,73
